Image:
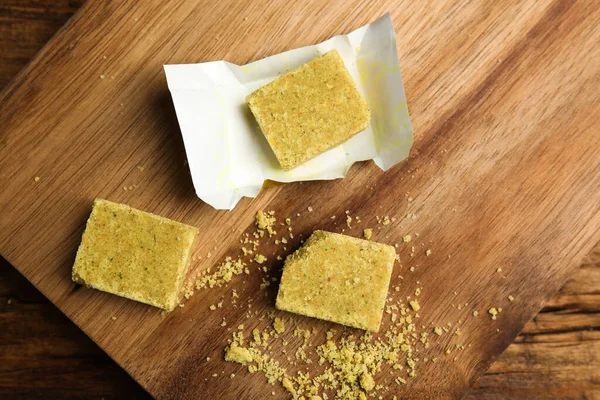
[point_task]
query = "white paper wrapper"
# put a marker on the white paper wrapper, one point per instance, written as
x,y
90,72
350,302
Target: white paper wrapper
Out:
x,y
229,157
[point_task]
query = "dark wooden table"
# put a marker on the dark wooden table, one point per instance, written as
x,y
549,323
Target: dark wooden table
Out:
x,y
43,355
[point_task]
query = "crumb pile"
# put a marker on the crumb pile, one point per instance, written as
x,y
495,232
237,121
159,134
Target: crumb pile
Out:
x,y
348,363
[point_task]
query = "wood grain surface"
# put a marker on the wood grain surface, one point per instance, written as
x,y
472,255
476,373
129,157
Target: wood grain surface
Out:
x,y
564,14
45,356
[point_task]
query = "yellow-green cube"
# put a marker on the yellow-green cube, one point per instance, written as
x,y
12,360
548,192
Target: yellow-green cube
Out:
x,y
134,254
309,110
338,278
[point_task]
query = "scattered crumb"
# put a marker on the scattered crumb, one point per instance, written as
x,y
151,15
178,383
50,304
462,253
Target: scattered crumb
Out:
x,y
366,381
414,304
36,179
266,221
428,252
289,386
223,274
406,238
368,233
238,354
494,312
259,258
499,270
475,313
278,325
310,209
113,318
386,220
510,298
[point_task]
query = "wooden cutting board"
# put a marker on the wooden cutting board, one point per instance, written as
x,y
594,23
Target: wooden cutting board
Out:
x,y
503,179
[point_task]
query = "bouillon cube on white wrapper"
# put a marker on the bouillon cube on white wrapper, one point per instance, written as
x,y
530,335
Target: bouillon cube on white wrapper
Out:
x,y
229,157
